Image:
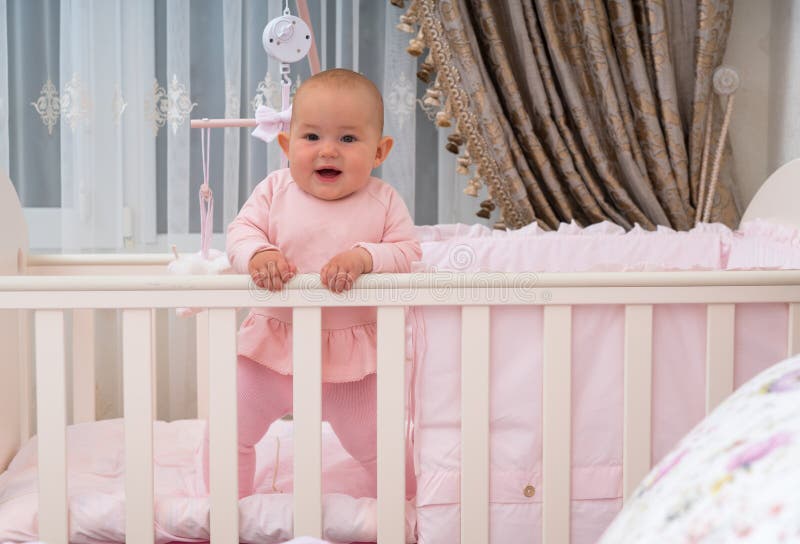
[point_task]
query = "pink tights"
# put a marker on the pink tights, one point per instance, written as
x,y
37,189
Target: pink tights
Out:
x,y
350,408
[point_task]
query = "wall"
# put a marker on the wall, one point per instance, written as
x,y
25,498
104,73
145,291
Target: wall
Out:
x,y
784,109
764,46
749,52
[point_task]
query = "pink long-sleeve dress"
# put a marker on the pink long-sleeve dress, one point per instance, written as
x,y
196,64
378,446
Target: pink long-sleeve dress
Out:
x,y
309,232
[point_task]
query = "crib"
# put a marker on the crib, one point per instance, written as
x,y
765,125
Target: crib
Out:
x,y
50,286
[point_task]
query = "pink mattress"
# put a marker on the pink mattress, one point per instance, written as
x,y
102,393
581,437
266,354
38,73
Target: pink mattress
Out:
x,y
96,481
679,333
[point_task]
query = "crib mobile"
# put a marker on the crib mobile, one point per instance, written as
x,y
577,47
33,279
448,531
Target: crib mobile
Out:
x,y
288,39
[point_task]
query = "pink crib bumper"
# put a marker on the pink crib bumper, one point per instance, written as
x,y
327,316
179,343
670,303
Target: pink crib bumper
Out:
x,y
607,247
679,336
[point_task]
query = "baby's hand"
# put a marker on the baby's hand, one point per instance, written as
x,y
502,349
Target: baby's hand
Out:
x,y
344,269
270,269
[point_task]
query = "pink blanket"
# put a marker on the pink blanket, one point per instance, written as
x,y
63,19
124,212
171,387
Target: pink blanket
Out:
x,y
679,335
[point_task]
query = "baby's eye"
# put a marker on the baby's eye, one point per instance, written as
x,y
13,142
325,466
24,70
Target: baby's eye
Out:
x,y
311,137
348,138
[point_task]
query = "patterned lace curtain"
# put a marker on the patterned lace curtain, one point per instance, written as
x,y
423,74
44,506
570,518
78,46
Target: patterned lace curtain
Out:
x,y
96,98
576,110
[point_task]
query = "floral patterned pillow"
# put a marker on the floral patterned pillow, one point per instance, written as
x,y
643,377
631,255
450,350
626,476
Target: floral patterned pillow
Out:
x,y
734,478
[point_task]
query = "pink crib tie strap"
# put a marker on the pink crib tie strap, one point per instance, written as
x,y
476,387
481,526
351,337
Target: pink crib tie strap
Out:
x,y
271,122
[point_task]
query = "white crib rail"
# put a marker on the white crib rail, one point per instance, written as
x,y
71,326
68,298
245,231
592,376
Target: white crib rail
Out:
x,y
83,366
307,416
793,345
474,424
202,362
222,411
391,425
637,395
137,385
719,353
556,422
138,296
51,403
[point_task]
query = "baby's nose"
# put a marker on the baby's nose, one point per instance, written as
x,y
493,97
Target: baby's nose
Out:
x,y
328,150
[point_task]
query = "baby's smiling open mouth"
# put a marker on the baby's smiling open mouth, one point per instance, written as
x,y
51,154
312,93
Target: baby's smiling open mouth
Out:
x,y
328,174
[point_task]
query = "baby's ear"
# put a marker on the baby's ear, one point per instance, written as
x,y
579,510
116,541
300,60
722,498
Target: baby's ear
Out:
x,y
283,141
384,146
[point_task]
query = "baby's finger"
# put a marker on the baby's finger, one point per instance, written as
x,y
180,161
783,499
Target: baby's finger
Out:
x,y
283,270
333,270
292,271
351,280
267,281
275,282
342,282
273,277
323,275
258,278
336,283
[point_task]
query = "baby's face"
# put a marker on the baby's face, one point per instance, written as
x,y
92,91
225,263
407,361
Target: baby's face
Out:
x,y
334,142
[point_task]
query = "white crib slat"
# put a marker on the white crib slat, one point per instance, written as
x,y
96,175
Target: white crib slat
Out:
x,y
475,424
201,335
307,391
719,353
11,392
51,421
83,366
793,345
154,359
25,371
138,405
638,395
557,423
223,451
391,425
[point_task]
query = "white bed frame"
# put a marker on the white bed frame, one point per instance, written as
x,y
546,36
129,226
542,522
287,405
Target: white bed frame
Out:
x,y
137,284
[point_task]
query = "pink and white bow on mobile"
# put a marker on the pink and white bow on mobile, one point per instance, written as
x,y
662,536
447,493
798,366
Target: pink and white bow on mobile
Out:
x,y
270,122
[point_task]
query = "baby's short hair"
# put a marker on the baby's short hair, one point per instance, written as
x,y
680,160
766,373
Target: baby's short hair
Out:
x,y
342,77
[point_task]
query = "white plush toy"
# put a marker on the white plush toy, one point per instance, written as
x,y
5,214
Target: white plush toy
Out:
x,y
196,264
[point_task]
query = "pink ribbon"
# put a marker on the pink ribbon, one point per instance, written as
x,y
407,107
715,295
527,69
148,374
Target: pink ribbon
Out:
x,y
206,196
271,122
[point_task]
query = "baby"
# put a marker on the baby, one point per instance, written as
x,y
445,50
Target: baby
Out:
x,y
325,214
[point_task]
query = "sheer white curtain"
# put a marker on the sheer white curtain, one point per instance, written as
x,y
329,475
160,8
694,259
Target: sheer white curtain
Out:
x,y
94,118
95,102
108,182
4,159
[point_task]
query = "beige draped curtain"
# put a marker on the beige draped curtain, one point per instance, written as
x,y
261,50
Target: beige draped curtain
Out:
x,y
583,110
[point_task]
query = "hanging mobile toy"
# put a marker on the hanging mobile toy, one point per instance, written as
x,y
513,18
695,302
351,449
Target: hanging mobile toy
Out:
x,y
287,39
